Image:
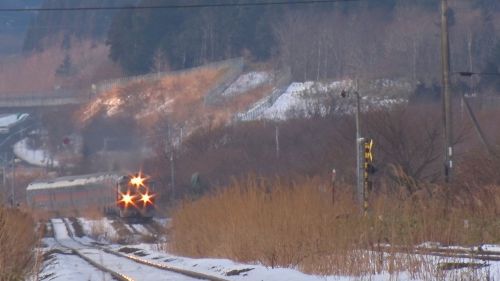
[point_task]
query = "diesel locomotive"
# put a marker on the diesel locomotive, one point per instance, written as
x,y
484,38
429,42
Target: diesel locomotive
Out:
x,y
129,196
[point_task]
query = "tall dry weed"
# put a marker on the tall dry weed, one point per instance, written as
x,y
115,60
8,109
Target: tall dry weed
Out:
x,y
17,243
287,224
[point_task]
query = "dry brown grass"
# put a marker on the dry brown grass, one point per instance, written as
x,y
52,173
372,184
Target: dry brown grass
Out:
x,y
17,243
294,224
178,98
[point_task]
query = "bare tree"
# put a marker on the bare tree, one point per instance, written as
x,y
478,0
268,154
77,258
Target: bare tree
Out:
x,y
160,61
409,137
410,47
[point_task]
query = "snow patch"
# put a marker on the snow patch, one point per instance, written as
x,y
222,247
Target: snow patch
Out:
x,y
37,157
101,229
60,231
303,97
9,120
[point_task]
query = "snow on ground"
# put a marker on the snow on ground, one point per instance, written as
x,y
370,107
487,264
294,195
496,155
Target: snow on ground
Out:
x,y
64,267
493,248
303,97
165,222
9,120
102,229
72,181
129,228
37,157
223,268
226,268
59,229
141,229
247,82
127,267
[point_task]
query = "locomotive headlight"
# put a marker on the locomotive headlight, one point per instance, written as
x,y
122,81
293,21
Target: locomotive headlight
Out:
x,y
146,199
127,199
137,181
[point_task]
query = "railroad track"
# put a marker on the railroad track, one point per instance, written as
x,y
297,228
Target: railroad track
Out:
x,y
466,253
75,252
128,260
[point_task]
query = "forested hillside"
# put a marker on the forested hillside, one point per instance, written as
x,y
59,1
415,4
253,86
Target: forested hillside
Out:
x,y
56,27
369,39
396,39
13,25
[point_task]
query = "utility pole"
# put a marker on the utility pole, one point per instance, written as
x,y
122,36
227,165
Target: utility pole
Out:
x,y
277,137
446,98
359,141
169,145
13,182
172,171
358,144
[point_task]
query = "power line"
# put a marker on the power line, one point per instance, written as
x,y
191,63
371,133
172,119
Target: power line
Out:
x,y
180,6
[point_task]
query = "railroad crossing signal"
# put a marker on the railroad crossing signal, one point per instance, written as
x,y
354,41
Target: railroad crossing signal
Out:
x,y
368,150
369,169
368,165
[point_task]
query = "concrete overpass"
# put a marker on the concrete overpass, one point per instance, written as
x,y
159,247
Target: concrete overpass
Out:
x,y
28,102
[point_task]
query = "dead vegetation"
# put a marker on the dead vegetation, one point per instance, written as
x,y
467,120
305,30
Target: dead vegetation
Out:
x,y
180,98
279,218
17,245
289,224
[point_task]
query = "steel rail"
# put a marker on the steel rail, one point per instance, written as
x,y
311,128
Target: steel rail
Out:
x,y
188,273
114,274
442,252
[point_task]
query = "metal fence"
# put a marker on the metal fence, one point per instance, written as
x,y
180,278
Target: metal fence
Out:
x,y
235,69
109,84
282,82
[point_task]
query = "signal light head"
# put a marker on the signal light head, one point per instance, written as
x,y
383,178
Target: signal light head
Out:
x,y
368,150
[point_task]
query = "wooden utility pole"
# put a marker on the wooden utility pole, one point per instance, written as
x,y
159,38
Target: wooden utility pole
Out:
x,y
277,141
334,175
446,98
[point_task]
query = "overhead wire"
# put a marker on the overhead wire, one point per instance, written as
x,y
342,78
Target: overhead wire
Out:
x,y
175,6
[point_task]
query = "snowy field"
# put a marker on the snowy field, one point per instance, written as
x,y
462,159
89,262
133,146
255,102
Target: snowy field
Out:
x,y
61,265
